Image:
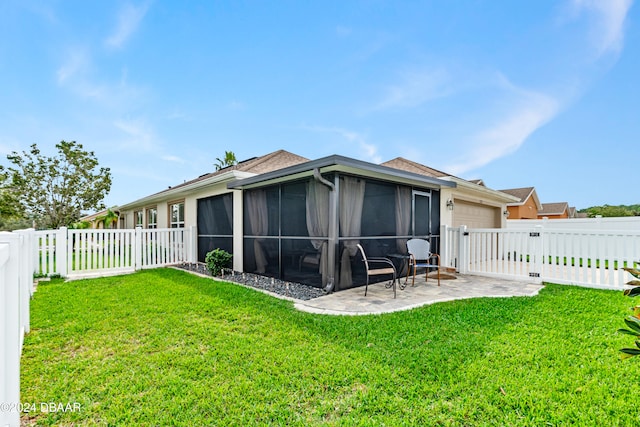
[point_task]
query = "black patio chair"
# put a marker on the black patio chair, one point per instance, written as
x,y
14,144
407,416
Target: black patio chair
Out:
x,y
377,266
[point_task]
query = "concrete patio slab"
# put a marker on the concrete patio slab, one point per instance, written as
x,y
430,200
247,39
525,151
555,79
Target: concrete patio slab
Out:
x,y
380,299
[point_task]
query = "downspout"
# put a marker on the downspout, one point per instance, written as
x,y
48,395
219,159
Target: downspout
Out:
x,y
319,178
331,248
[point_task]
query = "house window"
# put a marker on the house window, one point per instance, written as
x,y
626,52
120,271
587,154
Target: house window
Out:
x,y
176,215
138,217
152,218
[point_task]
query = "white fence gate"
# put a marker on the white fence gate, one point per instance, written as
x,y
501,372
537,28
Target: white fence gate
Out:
x,y
580,257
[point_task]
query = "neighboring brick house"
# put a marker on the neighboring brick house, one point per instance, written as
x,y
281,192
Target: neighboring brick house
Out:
x,y
527,206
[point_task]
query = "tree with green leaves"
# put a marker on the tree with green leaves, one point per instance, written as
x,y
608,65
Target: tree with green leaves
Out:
x,y
229,160
608,211
11,216
108,220
55,190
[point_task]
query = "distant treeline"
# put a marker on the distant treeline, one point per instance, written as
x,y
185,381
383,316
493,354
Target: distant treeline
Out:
x,y
612,211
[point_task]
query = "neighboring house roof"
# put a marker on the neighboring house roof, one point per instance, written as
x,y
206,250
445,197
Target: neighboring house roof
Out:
x,y
523,194
573,212
246,168
553,208
93,216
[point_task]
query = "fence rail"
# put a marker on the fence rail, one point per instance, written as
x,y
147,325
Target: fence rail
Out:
x,y
580,257
86,253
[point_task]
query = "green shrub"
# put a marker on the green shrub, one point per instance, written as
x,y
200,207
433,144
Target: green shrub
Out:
x,y
216,260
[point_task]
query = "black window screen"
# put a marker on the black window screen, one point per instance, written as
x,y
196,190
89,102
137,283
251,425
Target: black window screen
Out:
x,y
215,224
262,212
378,209
294,209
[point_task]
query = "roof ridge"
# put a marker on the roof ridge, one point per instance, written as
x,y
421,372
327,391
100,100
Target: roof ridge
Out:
x,y
416,165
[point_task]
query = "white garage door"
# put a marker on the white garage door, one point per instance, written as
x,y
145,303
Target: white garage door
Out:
x,y
474,215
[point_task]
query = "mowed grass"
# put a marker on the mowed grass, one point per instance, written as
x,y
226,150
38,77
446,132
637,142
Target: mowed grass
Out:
x,y
163,347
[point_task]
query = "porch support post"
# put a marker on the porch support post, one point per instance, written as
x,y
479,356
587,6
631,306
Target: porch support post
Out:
x,y
238,230
332,248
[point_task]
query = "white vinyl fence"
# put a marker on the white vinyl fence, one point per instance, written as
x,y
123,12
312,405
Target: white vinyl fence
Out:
x,y
73,254
86,253
580,257
627,223
16,289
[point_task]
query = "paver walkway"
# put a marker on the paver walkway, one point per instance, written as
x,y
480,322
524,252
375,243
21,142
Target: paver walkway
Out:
x,y
380,299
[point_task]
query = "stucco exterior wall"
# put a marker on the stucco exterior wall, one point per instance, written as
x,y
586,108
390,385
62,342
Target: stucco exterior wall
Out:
x,y
528,210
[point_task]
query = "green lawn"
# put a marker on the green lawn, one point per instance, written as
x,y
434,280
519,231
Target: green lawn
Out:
x,y
163,347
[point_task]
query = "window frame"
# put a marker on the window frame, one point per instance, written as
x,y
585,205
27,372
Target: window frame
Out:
x,y
138,218
180,222
148,211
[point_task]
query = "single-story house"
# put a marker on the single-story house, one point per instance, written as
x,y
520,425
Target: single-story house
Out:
x,y
527,205
554,210
288,217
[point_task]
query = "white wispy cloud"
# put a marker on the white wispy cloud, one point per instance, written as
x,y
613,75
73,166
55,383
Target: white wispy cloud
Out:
x,y
140,135
76,62
77,74
236,105
370,150
129,18
530,111
174,159
414,88
609,16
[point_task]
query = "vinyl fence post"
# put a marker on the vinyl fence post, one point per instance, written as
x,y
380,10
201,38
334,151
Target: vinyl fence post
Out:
x,y
63,252
192,244
10,328
29,262
463,250
137,249
445,246
25,281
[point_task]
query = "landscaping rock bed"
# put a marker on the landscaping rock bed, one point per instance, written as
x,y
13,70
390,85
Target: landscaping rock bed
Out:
x,y
280,287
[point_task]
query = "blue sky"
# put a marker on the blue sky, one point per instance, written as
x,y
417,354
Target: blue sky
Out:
x,y
518,93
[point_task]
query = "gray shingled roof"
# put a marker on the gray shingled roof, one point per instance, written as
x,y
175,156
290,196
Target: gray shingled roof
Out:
x,y
553,208
269,162
336,162
521,193
409,166
256,165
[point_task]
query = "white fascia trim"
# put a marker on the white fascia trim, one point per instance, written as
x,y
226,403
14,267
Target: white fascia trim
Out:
x,y
495,195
